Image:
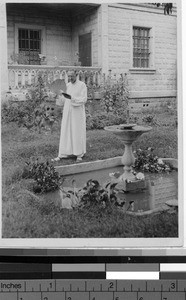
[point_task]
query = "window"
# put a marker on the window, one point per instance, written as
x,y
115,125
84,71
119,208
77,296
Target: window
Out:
x,y
29,45
141,46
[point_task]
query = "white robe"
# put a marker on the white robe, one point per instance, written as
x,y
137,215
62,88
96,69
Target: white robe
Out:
x,y
73,125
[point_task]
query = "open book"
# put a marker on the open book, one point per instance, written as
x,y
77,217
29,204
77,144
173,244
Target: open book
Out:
x,y
66,95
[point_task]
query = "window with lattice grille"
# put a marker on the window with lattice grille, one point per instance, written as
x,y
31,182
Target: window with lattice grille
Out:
x,y
29,45
141,45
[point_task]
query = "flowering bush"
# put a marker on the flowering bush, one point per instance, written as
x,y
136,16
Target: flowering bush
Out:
x,y
147,161
115,95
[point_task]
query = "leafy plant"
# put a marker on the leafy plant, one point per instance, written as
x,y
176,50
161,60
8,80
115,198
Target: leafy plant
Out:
x,y
94,194
44,174
42,58
102,119
115,95
147,161
19,58
26,112
17,111
133,118
149,119
39,92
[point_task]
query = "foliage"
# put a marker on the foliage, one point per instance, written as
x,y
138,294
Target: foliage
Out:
x,y
39,92
102,119
115,95
19,58
93,85
17,111
147,161
42,58
133,119
94,194
46,177
149,120
25,112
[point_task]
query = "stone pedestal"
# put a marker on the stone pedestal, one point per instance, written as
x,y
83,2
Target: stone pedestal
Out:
x,y
128,160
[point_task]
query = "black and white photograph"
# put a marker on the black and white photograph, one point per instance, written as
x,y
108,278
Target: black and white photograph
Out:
x,y
91,123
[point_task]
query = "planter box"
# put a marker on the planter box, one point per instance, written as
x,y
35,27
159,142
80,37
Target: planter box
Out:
x,y
131,186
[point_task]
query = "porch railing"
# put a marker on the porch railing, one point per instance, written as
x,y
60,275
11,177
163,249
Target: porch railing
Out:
x,y
22,76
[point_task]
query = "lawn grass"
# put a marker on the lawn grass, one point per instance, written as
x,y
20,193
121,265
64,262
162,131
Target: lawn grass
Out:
x,y
25,216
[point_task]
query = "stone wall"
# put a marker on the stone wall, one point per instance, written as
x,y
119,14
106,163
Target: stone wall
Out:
x,y
161,80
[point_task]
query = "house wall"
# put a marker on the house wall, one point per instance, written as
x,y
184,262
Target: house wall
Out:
x,y
57,32
161,81
82,24
111,28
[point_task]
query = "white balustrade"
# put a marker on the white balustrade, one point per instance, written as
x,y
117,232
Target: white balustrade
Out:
x,y
22,76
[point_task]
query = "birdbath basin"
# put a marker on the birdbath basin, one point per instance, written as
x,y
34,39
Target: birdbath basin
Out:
x,y
128,133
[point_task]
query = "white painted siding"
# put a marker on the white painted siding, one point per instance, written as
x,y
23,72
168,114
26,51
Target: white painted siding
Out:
x,y
162,82
58,33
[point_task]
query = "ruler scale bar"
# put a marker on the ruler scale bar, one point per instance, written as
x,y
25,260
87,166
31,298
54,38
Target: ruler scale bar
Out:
x,y
92,285
94,296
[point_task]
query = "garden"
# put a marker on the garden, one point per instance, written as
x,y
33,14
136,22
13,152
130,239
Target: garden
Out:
x,y
28,173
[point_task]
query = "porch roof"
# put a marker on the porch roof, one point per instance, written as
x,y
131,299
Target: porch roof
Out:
x,y
54,8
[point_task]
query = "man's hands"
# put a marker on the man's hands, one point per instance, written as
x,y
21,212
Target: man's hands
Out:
x,y
60,93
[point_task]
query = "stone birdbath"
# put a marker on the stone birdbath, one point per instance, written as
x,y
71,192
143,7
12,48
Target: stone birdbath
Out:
x,y
128,133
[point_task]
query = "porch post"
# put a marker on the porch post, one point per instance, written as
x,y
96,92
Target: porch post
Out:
x,y
103,38
3,50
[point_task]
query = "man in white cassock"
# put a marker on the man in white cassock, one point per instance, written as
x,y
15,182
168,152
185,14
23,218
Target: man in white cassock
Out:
x,y
73,125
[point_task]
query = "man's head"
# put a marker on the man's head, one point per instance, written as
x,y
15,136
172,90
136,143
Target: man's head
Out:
x,y
72,76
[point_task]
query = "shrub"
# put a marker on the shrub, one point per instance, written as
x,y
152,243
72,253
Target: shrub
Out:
x,y
147,161
39,92
25,112
102,119
17,111
115,95
149,120
46,177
